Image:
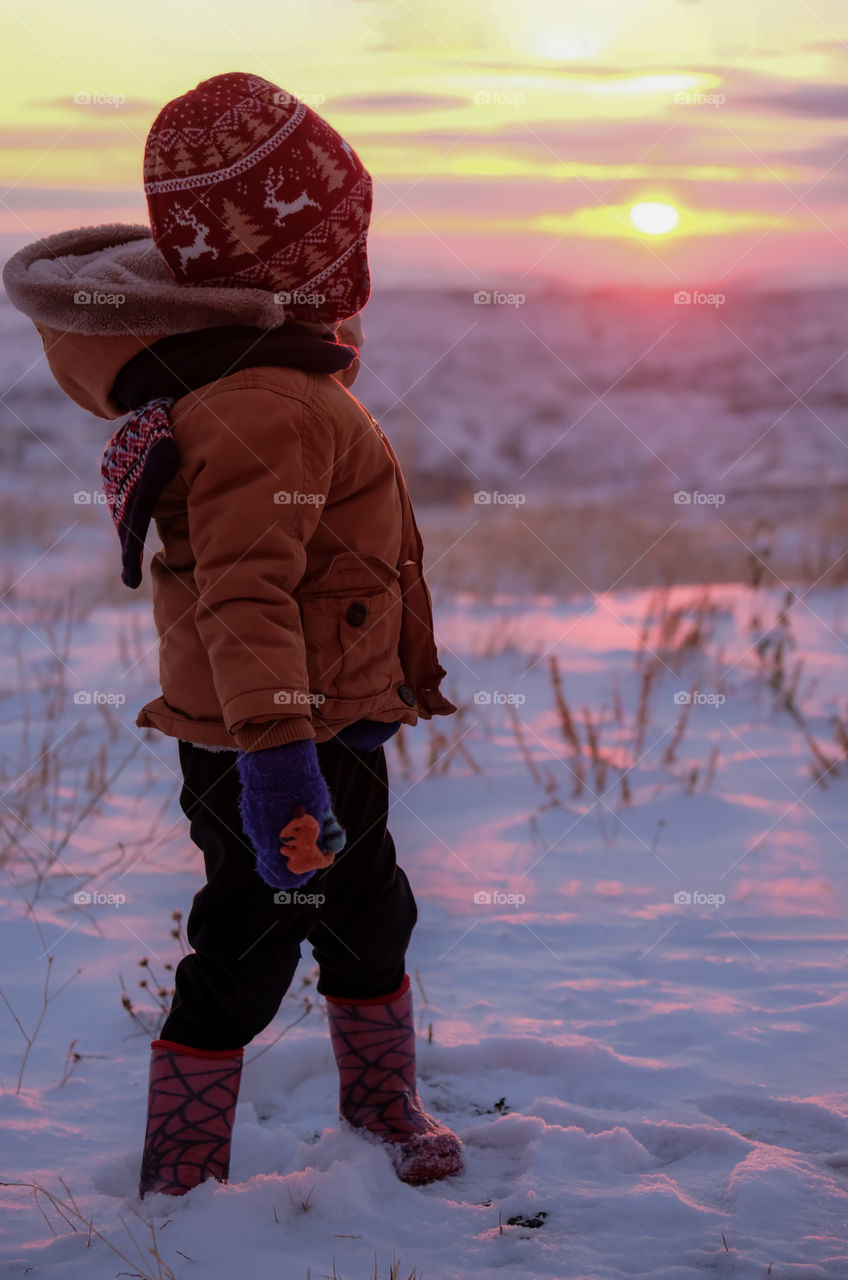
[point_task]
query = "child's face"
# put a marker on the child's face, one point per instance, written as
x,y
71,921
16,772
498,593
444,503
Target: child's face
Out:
x,y
350,331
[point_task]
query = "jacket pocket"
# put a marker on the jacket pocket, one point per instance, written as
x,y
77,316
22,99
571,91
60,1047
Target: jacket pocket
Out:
x,y
351,614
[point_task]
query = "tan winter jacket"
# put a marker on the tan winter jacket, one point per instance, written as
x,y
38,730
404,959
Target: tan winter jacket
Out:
x,y
289,597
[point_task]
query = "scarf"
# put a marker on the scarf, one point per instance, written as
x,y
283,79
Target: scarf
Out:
x,y
142,456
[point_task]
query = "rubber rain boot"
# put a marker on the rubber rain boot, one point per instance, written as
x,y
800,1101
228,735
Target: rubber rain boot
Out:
x,y
374,1045
191,1106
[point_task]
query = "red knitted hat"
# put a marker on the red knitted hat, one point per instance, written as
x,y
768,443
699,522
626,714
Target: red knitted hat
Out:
x,y
248,187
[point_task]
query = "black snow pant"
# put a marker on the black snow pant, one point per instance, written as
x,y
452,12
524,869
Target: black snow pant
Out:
x,y
245,936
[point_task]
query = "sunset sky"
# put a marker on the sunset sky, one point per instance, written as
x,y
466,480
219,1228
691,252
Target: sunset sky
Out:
x,y
508,139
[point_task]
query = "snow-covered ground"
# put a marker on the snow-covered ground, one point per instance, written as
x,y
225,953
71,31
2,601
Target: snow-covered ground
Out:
x,y
595,394
579,397
648,1086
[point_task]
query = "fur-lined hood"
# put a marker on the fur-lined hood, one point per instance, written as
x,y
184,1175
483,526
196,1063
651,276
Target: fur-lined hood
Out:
x,y
99,295
57,282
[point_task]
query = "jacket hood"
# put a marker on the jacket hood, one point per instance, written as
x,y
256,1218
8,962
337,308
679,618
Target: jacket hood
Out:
x,y
99,295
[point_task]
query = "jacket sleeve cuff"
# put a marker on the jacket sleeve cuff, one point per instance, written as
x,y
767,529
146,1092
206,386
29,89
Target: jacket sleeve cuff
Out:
x,y
273,733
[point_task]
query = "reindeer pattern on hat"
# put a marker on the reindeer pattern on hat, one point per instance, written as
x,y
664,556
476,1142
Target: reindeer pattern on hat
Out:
x,y
274,183
199,244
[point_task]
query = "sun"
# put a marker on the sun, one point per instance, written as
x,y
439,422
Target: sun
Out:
x,y
655,219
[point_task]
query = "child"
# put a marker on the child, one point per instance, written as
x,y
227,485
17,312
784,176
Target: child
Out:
x,y
294,621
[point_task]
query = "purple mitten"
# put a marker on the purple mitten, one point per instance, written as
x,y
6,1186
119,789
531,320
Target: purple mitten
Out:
x,y
277,785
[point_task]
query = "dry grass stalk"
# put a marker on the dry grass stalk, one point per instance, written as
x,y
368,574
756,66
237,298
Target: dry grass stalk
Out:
x,y
70,1213
522,745
643,714
712,767
576,764
31,1037
569,732
670,754
599,764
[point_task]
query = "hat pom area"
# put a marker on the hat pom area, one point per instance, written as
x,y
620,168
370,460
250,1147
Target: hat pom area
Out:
x,y
248,187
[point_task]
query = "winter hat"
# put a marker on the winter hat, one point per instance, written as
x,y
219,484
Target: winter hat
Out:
x,y
248,187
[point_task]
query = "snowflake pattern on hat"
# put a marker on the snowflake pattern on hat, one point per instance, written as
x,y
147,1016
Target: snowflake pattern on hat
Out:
x,y
247,187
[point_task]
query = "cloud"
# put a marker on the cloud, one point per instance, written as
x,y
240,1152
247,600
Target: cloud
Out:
x,y
495,198
132,107
589,141
816,101
399,102
825,155
23,198
546,69
42,139
828,46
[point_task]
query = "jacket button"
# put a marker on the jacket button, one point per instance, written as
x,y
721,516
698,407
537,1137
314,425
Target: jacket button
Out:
x,y
406,694
357,613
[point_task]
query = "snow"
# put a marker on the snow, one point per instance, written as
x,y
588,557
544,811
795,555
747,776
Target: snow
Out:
x,y
648,1086
647,1075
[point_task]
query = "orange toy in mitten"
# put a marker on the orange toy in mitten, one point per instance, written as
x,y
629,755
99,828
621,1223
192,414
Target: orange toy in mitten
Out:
x,y
285,808
298,843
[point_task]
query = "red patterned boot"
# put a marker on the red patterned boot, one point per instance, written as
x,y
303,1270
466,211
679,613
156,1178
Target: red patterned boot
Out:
x,y
374,1044
190,1112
